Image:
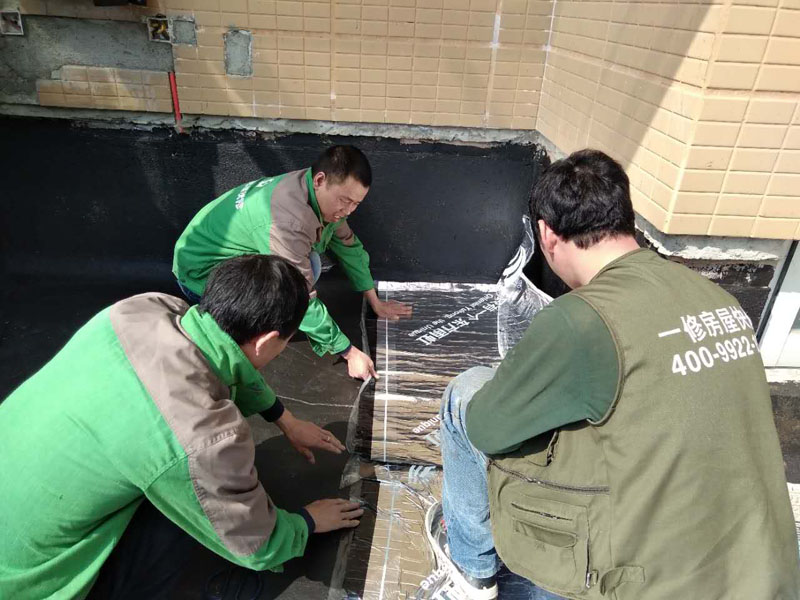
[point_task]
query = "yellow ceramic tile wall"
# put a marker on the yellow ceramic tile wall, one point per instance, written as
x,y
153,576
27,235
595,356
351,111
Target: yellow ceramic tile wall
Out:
x,y
107,88
699,99
476,63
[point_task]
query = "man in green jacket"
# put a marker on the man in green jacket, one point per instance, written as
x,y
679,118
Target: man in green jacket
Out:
x,y
626,447
133,438
296,215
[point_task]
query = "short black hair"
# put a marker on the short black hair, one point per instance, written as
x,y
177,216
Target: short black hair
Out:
x,y
340,162
254,294
584,198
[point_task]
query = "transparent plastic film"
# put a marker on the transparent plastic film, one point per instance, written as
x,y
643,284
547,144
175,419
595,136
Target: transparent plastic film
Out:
x,y
518,300
394,426
387,557
454,327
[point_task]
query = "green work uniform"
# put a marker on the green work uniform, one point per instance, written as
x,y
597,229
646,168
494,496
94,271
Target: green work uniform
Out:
x,y
147,400
274,215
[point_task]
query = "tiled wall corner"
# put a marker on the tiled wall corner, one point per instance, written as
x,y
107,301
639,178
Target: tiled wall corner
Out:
x,y
698,101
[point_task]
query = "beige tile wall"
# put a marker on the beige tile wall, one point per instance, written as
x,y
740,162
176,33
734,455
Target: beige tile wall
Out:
x,y
108,88
383,61
698,100
475,63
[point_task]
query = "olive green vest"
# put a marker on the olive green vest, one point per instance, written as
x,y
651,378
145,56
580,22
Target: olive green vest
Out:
x,y
679,492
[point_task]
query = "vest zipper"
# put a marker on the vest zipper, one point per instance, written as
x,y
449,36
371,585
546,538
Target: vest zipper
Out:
x,y
602,489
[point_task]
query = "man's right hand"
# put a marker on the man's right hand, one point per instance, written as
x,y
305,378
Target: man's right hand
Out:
x,y
334,513
359,365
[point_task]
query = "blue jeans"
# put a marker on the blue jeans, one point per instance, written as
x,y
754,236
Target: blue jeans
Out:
x,y
465,491
316,265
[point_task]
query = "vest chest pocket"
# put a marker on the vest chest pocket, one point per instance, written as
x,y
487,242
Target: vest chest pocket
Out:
x,y
545,540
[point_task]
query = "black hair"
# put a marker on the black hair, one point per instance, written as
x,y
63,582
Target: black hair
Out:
x,y
584,198
340,162
254,294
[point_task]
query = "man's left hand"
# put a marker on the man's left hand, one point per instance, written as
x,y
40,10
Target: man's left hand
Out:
x,y
305,436
391,309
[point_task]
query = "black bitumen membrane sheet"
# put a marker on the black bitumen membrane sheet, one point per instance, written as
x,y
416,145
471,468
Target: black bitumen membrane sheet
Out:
x,y
90,216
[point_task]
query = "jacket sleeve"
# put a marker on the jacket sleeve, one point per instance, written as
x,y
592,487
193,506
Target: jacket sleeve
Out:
x,y
323,333
254,395
352,256
213,493
563,370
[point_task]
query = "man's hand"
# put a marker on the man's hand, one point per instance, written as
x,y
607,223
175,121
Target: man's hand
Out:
x,y
303,436
359,365
391,309
334,513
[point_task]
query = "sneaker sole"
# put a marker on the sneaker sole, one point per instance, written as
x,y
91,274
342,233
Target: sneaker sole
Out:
x,y
442,559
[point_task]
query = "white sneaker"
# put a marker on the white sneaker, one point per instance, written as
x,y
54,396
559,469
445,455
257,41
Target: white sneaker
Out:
x,y
464,586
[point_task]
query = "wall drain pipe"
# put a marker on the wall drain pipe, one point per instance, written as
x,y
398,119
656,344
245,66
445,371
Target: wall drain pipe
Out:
x,y
173,85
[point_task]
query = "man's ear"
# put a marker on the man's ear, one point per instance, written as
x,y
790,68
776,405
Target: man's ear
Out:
x,y
547,237
262,342
319,179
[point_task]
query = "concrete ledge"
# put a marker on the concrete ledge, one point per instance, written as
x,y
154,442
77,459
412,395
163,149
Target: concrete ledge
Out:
x,y
702,247
783,375
139,120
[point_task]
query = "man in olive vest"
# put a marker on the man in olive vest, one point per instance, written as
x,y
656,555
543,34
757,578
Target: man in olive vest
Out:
x,y
298,216
626,447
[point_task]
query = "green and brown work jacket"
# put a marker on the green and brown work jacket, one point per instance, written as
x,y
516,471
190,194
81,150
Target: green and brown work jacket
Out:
x,y
147,400
274,215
